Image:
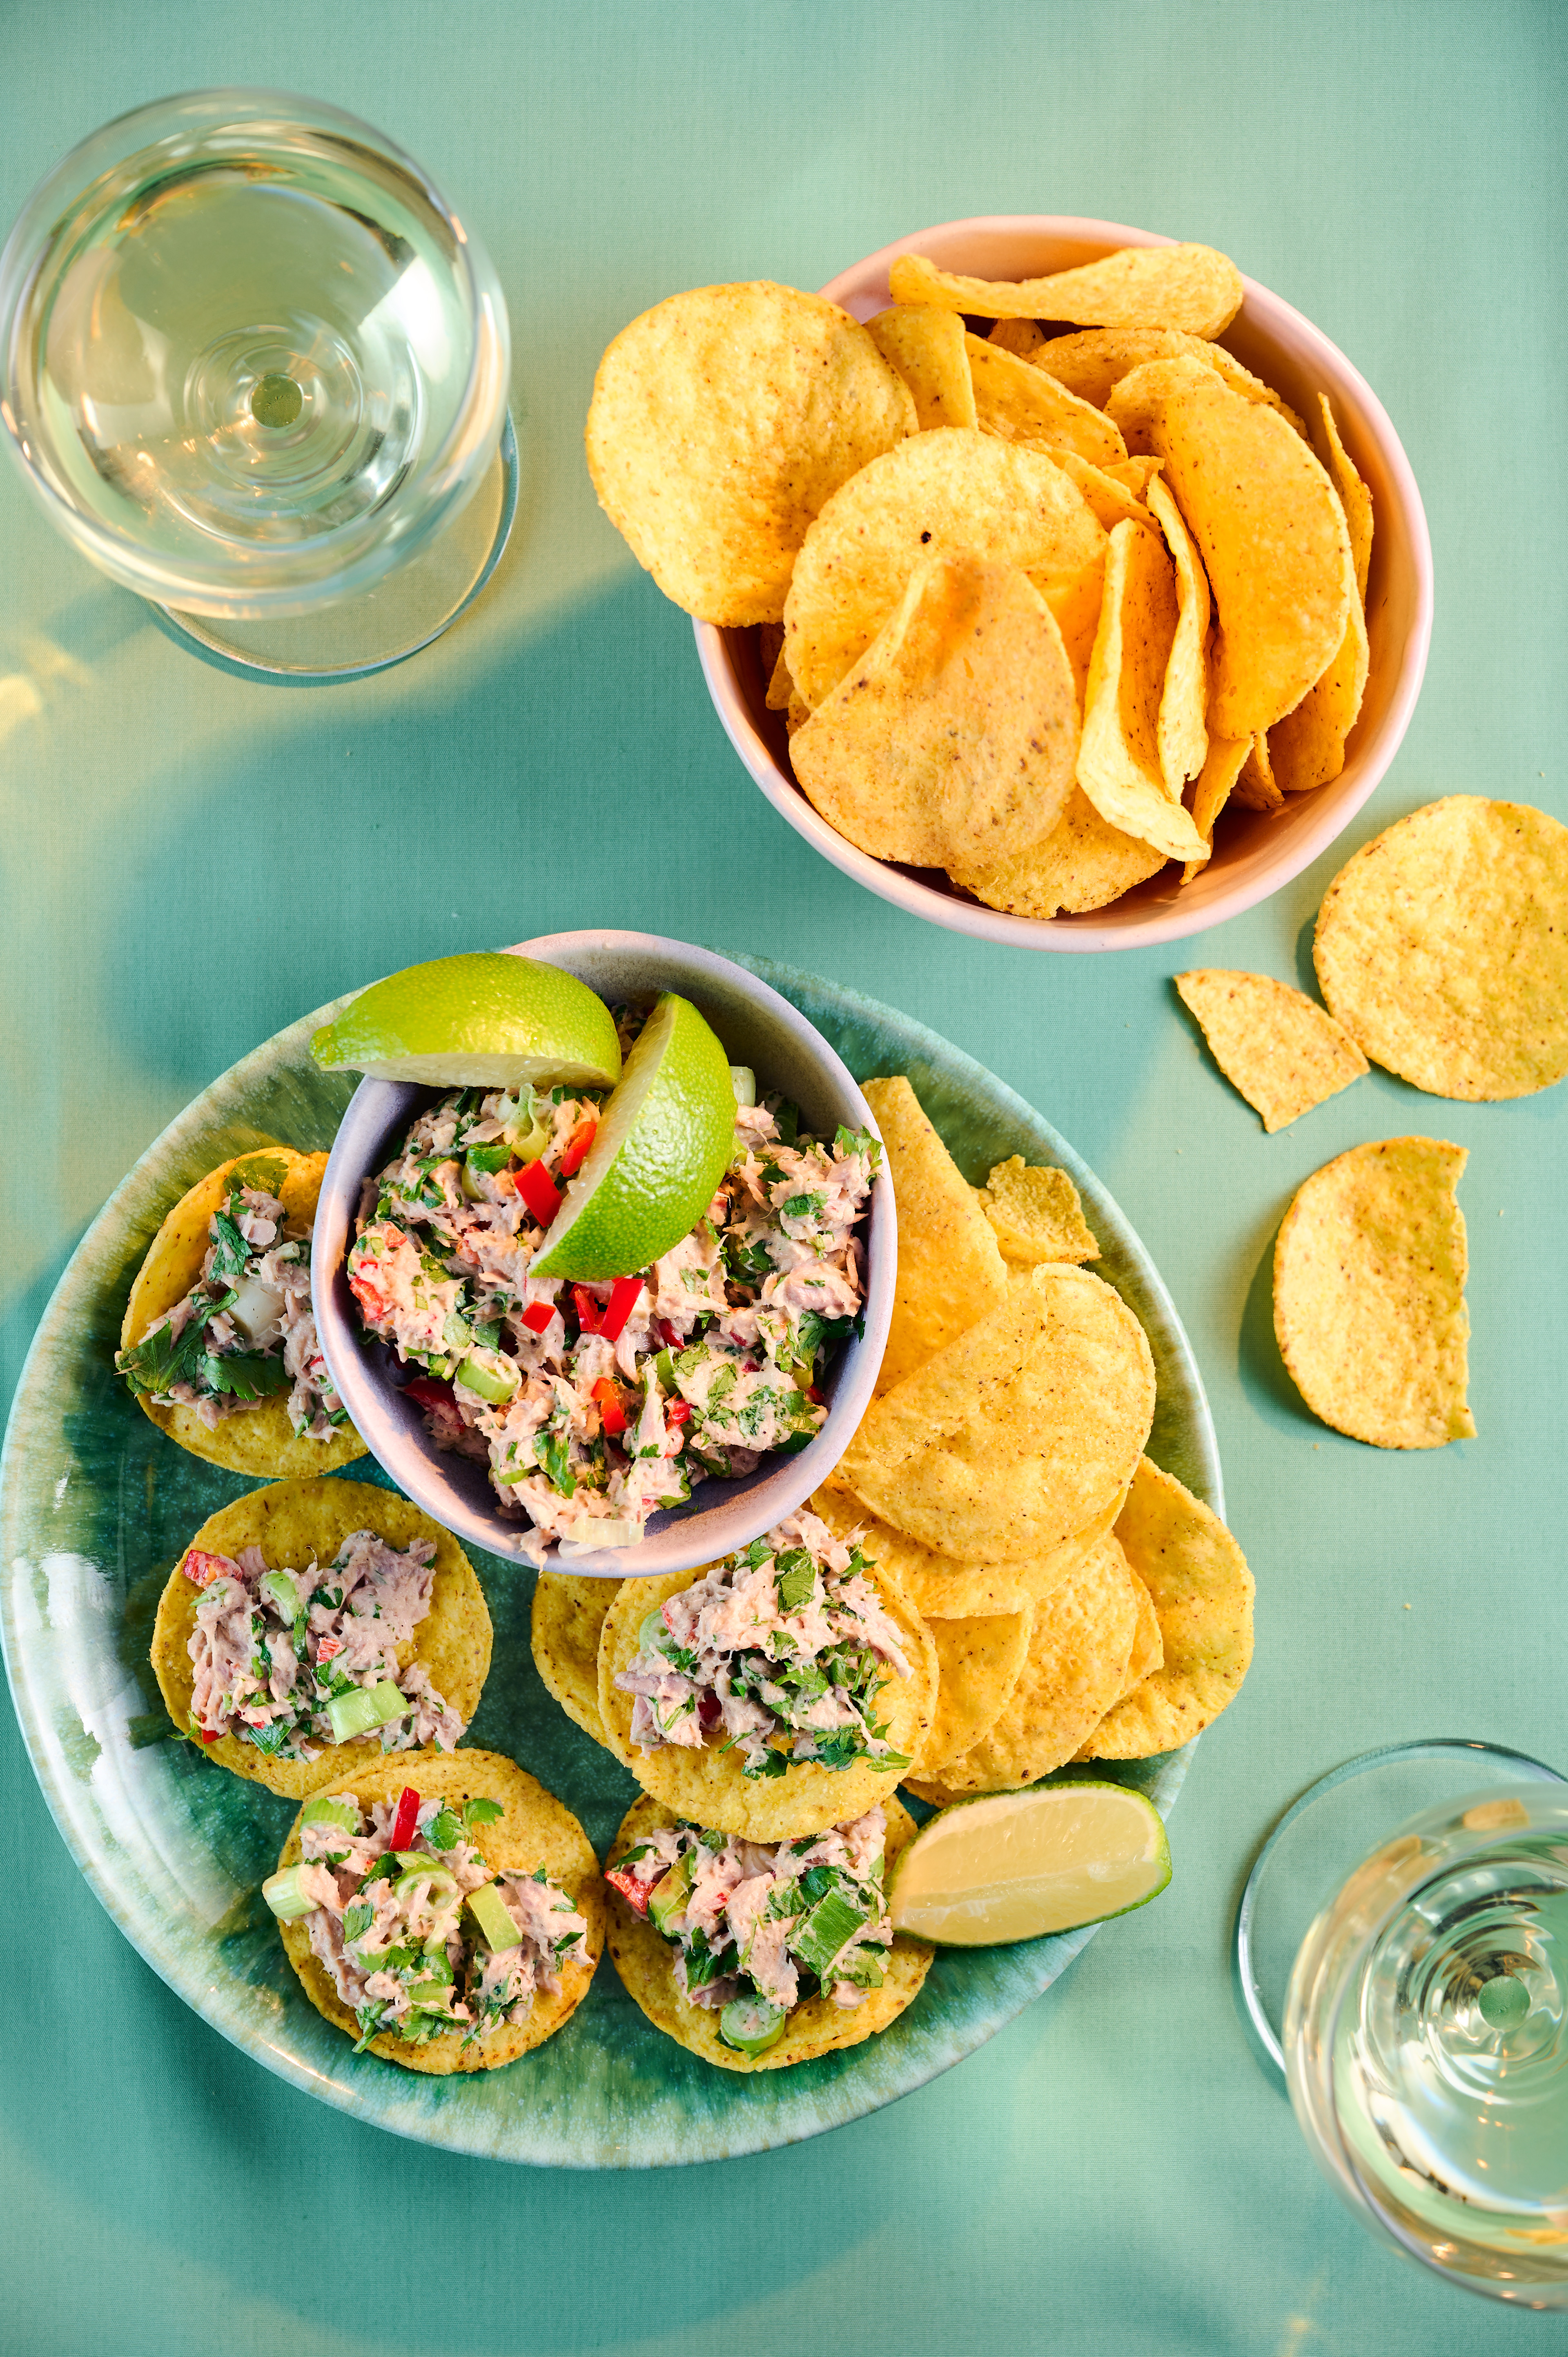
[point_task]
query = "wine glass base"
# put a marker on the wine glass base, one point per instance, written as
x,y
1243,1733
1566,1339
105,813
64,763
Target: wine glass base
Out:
x,y
410,609
1321,1840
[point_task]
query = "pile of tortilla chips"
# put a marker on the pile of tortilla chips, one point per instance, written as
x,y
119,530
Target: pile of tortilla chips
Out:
x,y
1038,605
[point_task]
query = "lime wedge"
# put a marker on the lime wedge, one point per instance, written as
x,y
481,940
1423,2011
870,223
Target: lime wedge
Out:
x,y
661,1149
1010,1866
483,1020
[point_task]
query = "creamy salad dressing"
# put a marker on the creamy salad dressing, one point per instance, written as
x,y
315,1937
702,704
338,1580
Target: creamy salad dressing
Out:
x,y
594,1404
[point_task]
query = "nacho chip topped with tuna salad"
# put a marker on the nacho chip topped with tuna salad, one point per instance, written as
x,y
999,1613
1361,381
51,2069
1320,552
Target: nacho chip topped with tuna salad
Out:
x,y
218,1342
783,1691
756,1955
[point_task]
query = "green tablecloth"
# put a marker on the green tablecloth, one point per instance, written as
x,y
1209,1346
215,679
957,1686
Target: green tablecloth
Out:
x,y
190,861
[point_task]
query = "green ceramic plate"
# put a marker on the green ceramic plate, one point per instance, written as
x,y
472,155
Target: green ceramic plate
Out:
x,y
95,1506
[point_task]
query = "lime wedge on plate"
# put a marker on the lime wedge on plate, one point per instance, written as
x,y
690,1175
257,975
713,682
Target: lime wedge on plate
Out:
x,y
663,1147
1011,1866
483,1020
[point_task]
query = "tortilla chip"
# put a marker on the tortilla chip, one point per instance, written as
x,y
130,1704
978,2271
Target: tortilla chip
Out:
x,y
1093,363
927,348
949,492
1036,1213
1370,1294
1078,1650
956,733
1202,1592
1212,789
259,1439
1269,525
295,1523
1085,864
780,687
1182,735
709,1787
568,1616
646,1962
722,420
535,1830
950,1265
1255,787
1111,499
1119,756
1281,1051
1306,749
1135,474
1354,496
1443,948
1023,404
1023,337
979,1660
1018,1433
1187,286
1148,1652
938,1585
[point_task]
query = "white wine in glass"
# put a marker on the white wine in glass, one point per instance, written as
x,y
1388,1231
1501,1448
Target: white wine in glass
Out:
x,y
256,367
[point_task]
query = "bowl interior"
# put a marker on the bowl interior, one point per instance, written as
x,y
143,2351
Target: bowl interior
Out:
x,y
1257,851
757,1027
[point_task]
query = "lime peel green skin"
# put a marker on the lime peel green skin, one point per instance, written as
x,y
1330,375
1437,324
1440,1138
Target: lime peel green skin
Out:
x,y
971,1800
637,1195
480,1018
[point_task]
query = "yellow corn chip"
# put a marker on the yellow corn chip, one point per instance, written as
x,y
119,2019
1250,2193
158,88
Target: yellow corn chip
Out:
x,y
1211,790
1184,699
1268,526
926,347
1354,496
1023,337
1136,473
1280,1051
956,733
1023,406
935,493
1119,757
1148,1652
1086,864
721,422
780,687
979,1660
1188,287
1308,748
1073,1671
1113,501
941,1588
1018,1433
1093,363
1255,787
1443,948
1202,1591
567,1619
1036,1214
1370,1294
949,1267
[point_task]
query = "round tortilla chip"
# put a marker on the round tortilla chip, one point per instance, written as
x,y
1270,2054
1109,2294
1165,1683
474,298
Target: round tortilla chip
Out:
x,y
980,1660
1093,362
535,1830
567,1619
1085,864
952,489
709,1787
1443,948
646,1962
1193,287
292,1522
259,1439
950,1265
1074,1669
721,422
1019,1433
1202,1593
941,1589
1370,1312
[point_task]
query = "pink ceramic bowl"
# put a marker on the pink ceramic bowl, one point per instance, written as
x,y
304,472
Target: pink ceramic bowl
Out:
x,y
1257,852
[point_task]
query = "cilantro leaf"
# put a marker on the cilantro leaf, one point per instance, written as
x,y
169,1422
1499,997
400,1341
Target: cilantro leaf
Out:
x,y
479,1812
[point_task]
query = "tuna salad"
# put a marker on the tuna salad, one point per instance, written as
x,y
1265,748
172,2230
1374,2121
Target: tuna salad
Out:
x,y
417,1933
247,1329
783,1651
758,1929
593,1405
290,1660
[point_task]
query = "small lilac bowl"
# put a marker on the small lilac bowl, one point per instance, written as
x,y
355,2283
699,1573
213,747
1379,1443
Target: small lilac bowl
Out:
x,y
757,1027
1257,852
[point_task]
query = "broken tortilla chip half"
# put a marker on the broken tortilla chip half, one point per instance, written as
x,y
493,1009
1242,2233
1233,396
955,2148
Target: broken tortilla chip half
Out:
x,y
1282,1052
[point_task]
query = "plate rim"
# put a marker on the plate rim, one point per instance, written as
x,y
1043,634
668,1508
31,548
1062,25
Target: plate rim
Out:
x,y
209,1999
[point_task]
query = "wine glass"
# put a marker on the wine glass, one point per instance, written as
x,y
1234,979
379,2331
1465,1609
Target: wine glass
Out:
x,y
1423,2028
255,367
